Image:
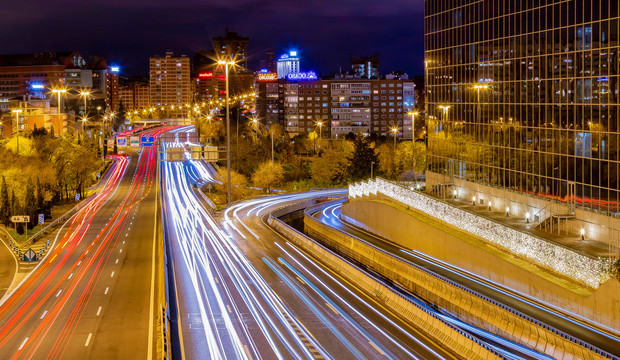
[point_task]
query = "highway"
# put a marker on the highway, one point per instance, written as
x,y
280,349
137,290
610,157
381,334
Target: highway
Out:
x,y
241,291
89,298
329,214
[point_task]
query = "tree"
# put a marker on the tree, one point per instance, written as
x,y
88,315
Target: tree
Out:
x,y
30,202
40,198
5,205
362,157
238,184
387,161
333,164
268,175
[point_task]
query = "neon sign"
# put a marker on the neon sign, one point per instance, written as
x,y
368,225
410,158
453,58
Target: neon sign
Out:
x,y
310,75
115,69
267,77
37,87
205,75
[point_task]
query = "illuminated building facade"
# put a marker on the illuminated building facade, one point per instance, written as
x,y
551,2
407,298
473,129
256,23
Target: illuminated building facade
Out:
x,y
524,97
170,82
288,63
232,46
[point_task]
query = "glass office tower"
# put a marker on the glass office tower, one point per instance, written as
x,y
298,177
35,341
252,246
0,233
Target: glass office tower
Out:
x,y
523,95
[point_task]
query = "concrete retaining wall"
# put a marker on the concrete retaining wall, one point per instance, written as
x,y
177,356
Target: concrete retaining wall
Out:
x,y
420,232
463,304
460,344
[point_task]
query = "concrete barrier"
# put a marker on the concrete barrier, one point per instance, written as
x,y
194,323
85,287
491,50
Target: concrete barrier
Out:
x,y
461,302
600,306
452,338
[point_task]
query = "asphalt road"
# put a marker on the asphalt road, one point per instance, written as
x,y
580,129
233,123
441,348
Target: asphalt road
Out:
x,y
241,291
329,215
90,296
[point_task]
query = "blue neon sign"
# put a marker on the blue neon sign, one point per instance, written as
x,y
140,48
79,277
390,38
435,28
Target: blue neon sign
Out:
x,y
310,75
115,69
37,87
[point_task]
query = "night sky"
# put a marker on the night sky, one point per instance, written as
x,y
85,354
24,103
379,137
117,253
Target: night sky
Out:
x,y
127,32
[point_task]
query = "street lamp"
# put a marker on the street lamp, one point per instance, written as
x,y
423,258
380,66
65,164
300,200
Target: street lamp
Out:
x,y
17,111
84,126
478,88
413,115
395,132
59,92
85,95
320,125
226,65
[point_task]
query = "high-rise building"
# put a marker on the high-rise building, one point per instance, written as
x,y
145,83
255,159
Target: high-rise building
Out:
x,y
170,82
523,98
232,46
343,106
288,63
366,67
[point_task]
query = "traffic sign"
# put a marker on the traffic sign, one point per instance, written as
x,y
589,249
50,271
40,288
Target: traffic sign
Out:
x,y
134,141
121,141
147,141
77,196
20,219
30,255
41,219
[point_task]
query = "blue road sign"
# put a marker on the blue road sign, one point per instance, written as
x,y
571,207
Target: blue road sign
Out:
x,y
41,219
77,197
30,255
147,141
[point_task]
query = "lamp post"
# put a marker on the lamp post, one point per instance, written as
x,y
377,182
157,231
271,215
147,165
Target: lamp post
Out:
x,y
85,95
84,126
59,92
413,115
16,112
320,124
395,132
271,132
226,65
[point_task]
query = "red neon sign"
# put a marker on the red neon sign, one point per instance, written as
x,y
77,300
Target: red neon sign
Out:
x,y
267,76
205,75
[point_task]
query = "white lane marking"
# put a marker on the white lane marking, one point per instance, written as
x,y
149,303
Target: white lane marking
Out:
x,y
90,335
99,311
44,313
121,251
78,264
112,275
86,253
70,276
58,294
123,242
106,290
23,343
116,261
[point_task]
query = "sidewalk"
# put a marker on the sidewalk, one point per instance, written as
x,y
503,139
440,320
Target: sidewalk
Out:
x,y
574,242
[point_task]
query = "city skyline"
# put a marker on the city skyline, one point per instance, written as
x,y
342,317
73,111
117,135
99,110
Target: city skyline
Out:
x,y
124,32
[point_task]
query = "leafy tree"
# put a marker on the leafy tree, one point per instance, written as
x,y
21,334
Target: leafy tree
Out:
x,y
15,208
40,198
30,203
5,205
388,164
268,175
238,184
362,157
333,164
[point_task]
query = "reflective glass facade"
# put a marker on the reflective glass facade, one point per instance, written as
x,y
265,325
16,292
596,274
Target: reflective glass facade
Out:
x,y
532,89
